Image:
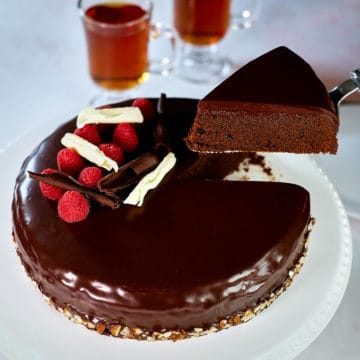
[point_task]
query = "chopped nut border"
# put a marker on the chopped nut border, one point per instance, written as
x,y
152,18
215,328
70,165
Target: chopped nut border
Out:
x,y
120,330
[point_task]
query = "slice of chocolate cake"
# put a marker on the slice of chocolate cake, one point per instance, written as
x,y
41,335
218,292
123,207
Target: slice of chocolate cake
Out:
x,y
274,103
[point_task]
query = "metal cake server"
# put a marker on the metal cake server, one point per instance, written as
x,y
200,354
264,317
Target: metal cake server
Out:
x,y
348,87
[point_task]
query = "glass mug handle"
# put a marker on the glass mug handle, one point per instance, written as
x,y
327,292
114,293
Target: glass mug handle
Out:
x,y
243,13
162,49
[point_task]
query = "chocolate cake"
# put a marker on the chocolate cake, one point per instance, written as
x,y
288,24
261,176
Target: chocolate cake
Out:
x,y
201,254
274,103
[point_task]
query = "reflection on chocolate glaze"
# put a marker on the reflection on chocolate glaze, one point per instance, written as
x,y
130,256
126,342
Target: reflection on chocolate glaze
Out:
x,y
198,249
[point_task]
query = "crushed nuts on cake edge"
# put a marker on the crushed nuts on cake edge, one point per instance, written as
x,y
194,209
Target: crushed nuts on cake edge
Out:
x,y
120,330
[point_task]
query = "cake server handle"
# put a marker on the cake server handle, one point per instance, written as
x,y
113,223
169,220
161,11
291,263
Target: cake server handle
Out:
x,y
348,87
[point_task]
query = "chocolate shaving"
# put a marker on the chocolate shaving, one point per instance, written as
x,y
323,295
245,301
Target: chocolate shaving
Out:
x,y
160,106
162,135
128,174
66,182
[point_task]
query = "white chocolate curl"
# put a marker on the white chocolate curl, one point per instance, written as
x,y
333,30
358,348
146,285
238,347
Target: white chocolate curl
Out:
x,y
114,115
88,151
151,180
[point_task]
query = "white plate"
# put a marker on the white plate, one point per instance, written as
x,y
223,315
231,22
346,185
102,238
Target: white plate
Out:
x,y
343,169
30,329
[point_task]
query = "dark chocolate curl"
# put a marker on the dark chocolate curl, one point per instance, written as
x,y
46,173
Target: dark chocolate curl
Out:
x,y
128,174
66,182
161,104
162,135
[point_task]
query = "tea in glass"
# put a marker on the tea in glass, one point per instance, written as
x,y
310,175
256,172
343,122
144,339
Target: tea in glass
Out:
x,y
117,37
201,22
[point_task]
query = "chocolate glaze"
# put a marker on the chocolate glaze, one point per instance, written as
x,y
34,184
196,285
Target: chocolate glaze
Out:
x,y
197,251
274,103
277,77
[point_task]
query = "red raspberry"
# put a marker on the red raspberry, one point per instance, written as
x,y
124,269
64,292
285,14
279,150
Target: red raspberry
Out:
x,y
126,137
49,191
90,133
70,162
73,207
113,151
146,108
90,176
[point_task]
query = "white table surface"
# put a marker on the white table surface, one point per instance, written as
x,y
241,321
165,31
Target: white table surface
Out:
x,y
44,79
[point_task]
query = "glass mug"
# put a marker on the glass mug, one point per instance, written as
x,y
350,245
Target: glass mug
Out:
x,y
201,22
201,25
117,36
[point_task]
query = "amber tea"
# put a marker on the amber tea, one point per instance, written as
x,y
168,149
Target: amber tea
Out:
x,y
117,37
201,22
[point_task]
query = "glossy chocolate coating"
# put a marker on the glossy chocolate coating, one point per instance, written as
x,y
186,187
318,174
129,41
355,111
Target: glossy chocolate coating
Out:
x,y
279,77
197,251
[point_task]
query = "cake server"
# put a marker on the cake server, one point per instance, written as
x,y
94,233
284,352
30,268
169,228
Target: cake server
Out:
x,y
348,87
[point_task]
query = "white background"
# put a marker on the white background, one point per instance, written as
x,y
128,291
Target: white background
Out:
x,y
44,79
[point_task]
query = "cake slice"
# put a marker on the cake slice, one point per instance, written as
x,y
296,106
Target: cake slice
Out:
x,y
274,103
